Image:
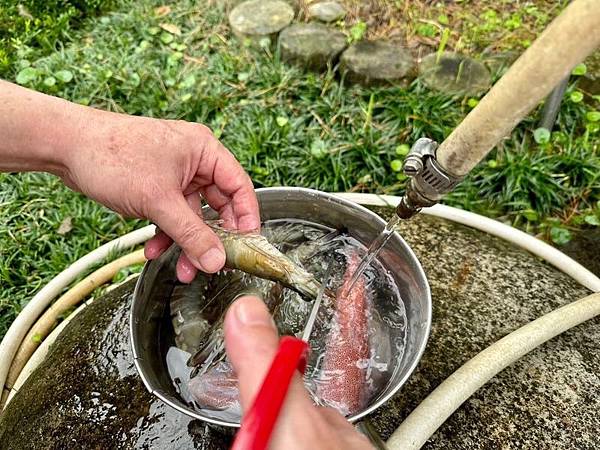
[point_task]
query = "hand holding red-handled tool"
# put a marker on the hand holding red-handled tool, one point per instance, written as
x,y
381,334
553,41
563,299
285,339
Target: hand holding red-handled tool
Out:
x,y
252,342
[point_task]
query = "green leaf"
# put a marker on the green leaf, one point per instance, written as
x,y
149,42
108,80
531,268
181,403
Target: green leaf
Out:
x,y
530,215
186,97
402,149
153,30
576,96
472,102
166,38
592,220
187,82
396,165
560,235
592,127
442,46
134,79
317,149
426,30
593,116
27,75
365,179
281,121
243,76
541,136
443,19
49,81
579,69
357,31
64,75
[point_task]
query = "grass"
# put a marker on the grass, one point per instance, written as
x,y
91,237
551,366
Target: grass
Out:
x,y
286,127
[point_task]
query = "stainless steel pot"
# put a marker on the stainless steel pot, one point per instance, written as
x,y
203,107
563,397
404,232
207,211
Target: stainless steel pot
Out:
x,y
149,307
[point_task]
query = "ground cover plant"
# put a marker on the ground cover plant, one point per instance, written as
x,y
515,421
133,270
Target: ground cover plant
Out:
x,y
32,28
292,127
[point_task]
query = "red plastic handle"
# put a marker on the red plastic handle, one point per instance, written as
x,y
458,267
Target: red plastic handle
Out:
x,y
259,421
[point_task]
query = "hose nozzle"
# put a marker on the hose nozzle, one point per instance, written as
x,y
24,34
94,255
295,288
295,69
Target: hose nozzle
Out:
x,y
429,182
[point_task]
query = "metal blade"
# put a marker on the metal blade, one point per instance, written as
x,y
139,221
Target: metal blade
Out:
x,y
315,309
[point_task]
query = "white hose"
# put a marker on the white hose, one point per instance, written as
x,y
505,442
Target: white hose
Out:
x,y
40,353
539,248
26,318
458,387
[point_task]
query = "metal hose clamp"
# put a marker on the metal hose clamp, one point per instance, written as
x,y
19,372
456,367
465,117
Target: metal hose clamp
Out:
x,y
429,182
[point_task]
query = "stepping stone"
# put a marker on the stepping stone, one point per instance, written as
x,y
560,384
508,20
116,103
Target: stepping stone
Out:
x,y
454,74
258,19
499,63
372,62
327,11
311,45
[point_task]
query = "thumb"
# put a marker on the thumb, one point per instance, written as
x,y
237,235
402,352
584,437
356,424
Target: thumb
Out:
x,y
175,217
251,342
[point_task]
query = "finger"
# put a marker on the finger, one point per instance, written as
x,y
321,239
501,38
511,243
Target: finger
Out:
x,y
202,247
185,269
251,342
157,245
194,202
234,188
334,418
225,211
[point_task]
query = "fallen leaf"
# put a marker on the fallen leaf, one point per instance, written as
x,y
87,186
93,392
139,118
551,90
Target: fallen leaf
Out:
x,y
171,28
162,10
65,226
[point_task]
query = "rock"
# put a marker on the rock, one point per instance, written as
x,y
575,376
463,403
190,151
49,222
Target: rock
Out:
x,y
258,19
327,11
369,62
499,63
295,4
482,289
590,81
454,74
311,45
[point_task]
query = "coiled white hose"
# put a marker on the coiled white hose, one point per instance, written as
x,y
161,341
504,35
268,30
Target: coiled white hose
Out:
x,y
27,317
458,387
426,418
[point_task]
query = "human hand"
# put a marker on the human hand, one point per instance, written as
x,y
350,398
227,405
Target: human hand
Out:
x,y
251,341
157,169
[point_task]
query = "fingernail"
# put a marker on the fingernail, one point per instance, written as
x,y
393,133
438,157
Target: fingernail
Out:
x,y
212,260
251,313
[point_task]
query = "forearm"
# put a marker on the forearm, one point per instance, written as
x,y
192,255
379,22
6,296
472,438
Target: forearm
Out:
x,y
38,131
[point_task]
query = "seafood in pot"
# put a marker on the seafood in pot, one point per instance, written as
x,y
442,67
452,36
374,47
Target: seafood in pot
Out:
x,y
344,370
342,381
